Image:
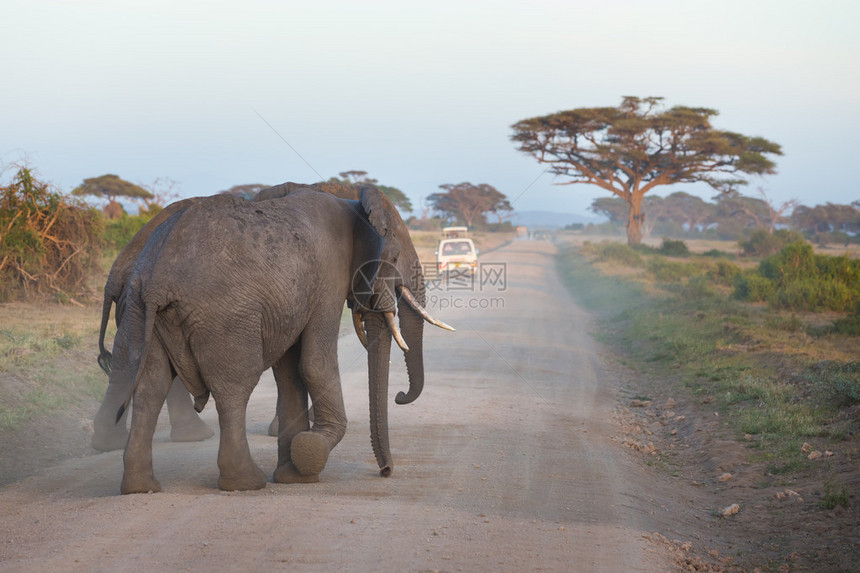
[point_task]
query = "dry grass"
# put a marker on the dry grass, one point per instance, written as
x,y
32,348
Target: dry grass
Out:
x,y
47,359
764,366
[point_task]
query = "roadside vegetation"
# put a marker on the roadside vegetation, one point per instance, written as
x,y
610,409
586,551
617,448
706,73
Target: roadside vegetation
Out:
x,y
50,243
47,361
772,342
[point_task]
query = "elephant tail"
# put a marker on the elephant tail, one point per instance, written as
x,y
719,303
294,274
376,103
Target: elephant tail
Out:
x,y
105,357
149,327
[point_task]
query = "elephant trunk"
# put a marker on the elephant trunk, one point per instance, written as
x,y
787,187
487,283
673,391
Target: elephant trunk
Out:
x,y
378,355
412,329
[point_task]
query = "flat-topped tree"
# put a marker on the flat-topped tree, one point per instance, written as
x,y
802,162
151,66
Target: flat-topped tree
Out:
x,y
110,187
246,191
470,203
357,177
631,149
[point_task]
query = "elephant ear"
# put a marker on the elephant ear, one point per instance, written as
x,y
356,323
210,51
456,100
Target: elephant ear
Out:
x,y
367,248
378,208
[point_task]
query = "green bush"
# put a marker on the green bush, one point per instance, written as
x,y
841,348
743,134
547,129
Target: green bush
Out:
x,y
753,287
798,279
612,251
762,244
118,232
850,325
724,273
698,288
716,253
670,271
796,261
645,249
814,294
841,269
672,248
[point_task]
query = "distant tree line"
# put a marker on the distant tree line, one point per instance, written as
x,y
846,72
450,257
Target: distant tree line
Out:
x,y
734,216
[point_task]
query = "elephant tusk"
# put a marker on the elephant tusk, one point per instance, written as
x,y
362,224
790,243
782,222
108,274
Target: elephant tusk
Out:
x,y
392,326
359,328
410,298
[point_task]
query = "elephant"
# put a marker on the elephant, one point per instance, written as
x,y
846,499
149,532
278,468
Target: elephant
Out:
x,y
228,288
185,424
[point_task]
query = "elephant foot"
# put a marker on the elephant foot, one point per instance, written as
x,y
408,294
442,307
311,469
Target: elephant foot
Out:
x,y
194,430
255,479
288,473
108,440
139,484
309,452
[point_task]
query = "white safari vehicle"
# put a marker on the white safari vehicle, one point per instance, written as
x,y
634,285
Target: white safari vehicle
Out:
x,y
456,252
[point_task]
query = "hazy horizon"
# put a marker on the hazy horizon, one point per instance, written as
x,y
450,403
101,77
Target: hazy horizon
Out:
x,y
212,95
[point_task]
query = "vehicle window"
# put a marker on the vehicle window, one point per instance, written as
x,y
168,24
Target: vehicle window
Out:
x,y
457,248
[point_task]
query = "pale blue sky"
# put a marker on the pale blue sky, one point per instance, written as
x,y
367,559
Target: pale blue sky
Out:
x,y
417,95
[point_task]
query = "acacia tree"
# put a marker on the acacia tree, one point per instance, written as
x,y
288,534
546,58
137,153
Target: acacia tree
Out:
x,y
357,177
470,203
631,149
734,213
686,209
613,208
110,187
776,212
246,191
616,210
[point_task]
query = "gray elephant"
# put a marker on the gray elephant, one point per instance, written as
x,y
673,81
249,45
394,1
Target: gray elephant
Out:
x,y
185,424
228,288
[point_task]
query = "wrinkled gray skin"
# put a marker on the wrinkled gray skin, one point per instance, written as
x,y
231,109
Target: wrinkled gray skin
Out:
x,y
185,424
229,288
338,190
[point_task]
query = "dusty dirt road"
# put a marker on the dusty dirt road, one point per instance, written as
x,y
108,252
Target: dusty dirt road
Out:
x,y
505,463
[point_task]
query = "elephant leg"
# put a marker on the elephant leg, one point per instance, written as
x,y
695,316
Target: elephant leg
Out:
x,y
185,422
108,433
309,450
237,467
149,397
273,425
292,415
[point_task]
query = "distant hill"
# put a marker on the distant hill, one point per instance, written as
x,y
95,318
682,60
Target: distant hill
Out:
x,y
549,219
